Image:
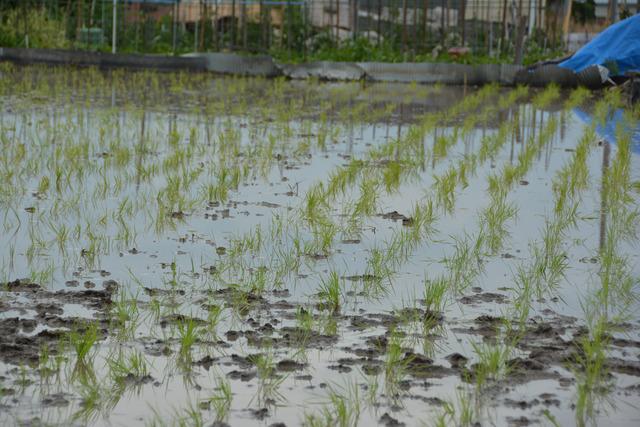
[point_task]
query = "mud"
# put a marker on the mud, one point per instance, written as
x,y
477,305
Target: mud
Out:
x,y
20,345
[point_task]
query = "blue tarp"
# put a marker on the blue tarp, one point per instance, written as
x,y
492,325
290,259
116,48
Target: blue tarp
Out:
x,y
619,44
608,131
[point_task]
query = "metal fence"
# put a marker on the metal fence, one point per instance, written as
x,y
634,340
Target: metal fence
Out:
x,y
386,29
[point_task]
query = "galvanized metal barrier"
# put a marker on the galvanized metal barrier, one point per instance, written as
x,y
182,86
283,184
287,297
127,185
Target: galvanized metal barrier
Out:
x,y
265,66
101,60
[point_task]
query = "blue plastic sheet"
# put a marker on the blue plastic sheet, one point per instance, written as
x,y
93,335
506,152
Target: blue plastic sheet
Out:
x,y
609,130
617,48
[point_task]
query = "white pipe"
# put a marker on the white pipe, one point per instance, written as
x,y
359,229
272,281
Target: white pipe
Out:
x,y
532,15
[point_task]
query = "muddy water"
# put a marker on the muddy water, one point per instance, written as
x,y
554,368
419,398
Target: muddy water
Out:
x,y
126,196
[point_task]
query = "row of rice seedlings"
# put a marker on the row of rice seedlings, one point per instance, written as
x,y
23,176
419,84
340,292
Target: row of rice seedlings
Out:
x,y
569,180
464,264
542,277
610,305
492,357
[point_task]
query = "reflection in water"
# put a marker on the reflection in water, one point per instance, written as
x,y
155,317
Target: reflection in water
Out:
x,y
606,152
609,129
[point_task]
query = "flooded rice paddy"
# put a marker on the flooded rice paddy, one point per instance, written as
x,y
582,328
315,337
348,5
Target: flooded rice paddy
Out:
x,y
183,249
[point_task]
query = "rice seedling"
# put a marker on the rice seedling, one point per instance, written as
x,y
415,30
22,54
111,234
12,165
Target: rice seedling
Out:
x,y
214,317
462,412
96,402
492,361
395,365
257,281
367,202
391,176
548,95
591,372
494,218
46,364
132,368
423,219
342,408
269,381
330,293
435,293
466,262
324,232
445,190
378,273
305,323
125,315
221,399
188,335
83,342
189,416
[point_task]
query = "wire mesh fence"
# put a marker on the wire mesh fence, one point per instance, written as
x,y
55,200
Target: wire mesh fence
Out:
x,y
388,30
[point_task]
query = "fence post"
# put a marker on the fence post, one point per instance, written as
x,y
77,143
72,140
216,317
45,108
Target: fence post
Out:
x,y
79,17
442,32
532,15
174,18
462,15
354,11
522,23
425,23
404,26
338,22
305,23
612,12
263,26
234,28
114,26
503,36
243,18
379,35
566,19
289,27
414,30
